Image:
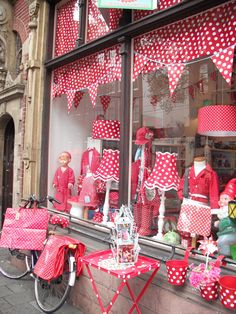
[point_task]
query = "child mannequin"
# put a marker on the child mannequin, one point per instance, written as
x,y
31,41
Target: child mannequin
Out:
x,y
63,182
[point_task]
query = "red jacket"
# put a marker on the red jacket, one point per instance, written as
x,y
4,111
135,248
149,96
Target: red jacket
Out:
x,y
205,183
90,158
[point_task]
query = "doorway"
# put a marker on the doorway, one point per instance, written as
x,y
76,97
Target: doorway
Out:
x,y
8,159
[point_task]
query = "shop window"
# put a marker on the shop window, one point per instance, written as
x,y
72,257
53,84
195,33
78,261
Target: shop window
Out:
x,y
176,73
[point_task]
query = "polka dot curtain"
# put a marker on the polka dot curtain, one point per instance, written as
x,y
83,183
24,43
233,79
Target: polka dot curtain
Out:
x,y
67,29
164,175
199,36
109,166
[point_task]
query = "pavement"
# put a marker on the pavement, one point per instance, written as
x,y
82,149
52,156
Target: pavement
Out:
x,y
17,297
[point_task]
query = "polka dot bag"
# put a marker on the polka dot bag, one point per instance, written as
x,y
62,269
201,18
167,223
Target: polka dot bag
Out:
x,y
177,269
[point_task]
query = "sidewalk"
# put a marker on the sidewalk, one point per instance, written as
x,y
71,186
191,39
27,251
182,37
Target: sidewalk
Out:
x,y
17,297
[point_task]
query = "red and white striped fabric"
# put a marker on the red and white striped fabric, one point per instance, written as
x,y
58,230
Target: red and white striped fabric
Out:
x,y
106,129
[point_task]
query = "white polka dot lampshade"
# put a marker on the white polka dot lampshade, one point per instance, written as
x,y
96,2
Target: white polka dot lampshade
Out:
x,y
164,175
109,166
217,120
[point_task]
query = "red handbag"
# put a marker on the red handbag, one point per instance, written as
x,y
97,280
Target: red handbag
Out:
x,y
24,228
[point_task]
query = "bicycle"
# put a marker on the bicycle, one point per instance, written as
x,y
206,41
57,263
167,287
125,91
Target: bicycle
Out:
x,y
50,295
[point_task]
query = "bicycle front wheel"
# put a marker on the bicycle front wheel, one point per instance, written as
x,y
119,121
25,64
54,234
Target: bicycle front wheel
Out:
x,y
14,263
51,295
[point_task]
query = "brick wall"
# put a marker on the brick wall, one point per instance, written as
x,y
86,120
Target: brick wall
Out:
x,y
21,19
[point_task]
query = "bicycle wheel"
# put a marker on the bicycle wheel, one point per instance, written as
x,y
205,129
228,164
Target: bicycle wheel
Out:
x,y
50,296
14,264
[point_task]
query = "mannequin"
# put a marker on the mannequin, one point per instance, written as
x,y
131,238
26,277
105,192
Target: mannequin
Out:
x,y
203,194
63,182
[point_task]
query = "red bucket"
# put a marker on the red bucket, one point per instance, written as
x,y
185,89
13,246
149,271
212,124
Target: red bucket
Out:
x,y
177,269
209,292
228,291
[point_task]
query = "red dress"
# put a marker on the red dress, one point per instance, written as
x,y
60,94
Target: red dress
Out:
x,y
61,181
88,195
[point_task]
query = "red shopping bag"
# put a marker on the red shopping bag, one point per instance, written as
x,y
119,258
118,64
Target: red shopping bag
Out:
x,y
51,262
24,228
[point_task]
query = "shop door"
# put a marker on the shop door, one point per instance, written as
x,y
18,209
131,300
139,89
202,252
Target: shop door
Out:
x,y
8,158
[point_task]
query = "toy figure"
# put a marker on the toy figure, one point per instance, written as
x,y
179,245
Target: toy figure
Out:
x,y
226,225
63,182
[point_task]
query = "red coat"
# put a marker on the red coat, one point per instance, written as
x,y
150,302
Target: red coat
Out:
x,y
205,183
61,181
90,158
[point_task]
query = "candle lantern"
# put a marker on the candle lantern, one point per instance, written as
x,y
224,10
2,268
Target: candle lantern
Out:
x,y
232,209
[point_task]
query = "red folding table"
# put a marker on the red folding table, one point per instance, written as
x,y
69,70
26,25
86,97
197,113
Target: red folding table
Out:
x,y
100,260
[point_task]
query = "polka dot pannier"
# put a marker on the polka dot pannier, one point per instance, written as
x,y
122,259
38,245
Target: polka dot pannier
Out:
x,y
106,129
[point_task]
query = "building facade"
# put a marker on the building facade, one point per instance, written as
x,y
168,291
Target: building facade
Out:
x,y
92,81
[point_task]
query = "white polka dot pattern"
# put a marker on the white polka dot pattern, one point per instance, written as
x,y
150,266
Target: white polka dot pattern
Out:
x,y
26,230
106,129
218,120
176,271
92,89
109,166
164,175
209,292
228,291
67,29
105,101
195,218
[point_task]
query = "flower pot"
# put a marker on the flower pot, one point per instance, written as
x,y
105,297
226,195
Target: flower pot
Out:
x,y
228,291
176,271
209,292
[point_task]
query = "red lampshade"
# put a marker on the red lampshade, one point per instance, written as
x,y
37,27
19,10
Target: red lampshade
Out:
x,y
164,175
109,166
217,120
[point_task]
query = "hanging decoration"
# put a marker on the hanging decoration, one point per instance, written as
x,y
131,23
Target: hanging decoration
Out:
x,y
78,96
174,73
92,89
105,101
70,97
205,35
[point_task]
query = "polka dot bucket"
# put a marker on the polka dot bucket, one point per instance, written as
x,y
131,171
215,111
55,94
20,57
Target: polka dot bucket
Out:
x,y
177,269
210,291
227,288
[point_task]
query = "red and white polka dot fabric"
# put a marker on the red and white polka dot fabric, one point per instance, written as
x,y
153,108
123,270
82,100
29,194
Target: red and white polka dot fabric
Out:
x,y
115,15
194,218
209,292
105,101
164,175
78,96
217,120
109,166
97,25
67,29
224,62
100,68
199,36
106,129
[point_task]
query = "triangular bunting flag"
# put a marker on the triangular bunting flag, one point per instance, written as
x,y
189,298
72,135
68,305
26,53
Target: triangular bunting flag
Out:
x,y
70,97
93,93
152,66
224,62
105,101
174,73
78,97
139,63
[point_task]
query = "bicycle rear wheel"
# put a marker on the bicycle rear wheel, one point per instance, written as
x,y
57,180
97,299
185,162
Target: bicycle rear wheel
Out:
x,y
50,296
14,264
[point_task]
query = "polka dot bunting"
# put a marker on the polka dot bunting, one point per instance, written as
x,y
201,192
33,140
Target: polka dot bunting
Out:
x,y
93,93
105,101
70,97
224,62
174,73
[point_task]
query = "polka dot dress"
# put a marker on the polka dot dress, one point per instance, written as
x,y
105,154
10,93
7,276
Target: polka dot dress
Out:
x,y
164,175
109,166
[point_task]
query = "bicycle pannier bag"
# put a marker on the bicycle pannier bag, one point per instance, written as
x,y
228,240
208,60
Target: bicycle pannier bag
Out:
x,y
24,228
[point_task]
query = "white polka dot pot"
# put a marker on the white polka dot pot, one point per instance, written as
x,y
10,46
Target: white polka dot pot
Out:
x,y
176,272
227,289
209,292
